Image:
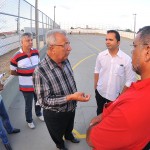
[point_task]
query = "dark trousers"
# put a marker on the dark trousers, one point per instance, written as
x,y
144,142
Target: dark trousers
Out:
x,y
4,124
147,147
59,124
29,96
100,102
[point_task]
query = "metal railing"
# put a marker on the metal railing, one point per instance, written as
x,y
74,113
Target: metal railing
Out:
x,y
17,17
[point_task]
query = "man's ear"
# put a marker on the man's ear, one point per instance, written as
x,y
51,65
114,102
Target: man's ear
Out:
x,y
50,50
147,54
118,43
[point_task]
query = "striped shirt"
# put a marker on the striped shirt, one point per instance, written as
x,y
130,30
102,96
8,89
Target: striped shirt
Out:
x,y
25,65
52,85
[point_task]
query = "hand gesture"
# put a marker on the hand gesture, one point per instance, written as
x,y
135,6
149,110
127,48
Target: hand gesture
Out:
x,y
96,120
79,96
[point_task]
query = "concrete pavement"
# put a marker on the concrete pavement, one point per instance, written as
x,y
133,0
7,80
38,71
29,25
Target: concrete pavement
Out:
x,y
84,51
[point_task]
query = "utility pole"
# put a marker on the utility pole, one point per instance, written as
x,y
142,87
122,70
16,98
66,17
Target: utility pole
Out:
x,y
18,19
54,18
134,24
36,24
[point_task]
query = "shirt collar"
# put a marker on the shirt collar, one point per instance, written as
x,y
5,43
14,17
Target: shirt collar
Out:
x,y
119,53
52,64
141,83
21,51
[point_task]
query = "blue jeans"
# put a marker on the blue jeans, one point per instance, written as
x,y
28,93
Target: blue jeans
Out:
x,y
4,124
29,96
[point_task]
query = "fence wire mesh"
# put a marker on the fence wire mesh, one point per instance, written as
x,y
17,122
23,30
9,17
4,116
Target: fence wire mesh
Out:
x,y
17,17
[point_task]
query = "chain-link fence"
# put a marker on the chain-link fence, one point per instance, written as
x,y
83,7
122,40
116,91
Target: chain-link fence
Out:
x,y
17,17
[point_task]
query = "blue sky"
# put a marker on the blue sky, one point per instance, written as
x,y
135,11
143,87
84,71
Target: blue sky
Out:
x,y
97,13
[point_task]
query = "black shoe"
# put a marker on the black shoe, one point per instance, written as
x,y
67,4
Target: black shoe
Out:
x,y
15,131
61,148
64,148
74,140
7,146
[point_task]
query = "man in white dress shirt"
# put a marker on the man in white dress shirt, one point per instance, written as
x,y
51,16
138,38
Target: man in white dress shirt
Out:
x,y
113,72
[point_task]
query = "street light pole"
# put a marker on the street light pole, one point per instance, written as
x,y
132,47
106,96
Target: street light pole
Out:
x,y
36,24
18,19
134,24
54,18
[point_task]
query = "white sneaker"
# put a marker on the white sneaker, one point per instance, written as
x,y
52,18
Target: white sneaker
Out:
x,y
31,125
41,118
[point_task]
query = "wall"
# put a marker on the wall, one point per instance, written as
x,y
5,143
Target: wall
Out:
x,y
98,31
9,43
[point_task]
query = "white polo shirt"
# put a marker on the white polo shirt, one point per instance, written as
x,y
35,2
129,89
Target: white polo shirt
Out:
x,y
114,73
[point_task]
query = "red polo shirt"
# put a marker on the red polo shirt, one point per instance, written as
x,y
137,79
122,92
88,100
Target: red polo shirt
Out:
x,y
125,122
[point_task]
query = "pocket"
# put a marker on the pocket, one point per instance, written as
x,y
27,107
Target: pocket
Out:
x,y
119,70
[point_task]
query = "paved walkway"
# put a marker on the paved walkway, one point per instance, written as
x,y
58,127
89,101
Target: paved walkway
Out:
x,y
39,138
84,51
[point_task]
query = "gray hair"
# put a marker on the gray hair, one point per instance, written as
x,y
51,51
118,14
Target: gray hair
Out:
x,y
51,36
28,34
145,34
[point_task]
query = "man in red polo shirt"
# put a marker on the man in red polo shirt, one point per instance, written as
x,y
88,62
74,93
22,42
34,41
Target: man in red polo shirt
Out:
x,y
125,123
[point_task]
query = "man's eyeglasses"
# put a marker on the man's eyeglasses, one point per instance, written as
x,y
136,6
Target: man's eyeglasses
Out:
x,y
135,45
63,45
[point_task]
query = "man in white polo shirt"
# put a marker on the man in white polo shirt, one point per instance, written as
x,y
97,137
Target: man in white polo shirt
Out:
x,y
113,71
22,65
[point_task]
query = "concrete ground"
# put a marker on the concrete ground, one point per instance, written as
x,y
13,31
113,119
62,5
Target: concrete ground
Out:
x,y
84,52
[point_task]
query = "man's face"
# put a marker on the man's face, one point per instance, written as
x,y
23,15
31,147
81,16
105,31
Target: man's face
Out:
x,y
111,41
137,55
62,48
27,42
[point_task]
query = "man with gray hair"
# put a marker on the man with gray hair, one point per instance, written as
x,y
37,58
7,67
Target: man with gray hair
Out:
x,y
22,65
56,89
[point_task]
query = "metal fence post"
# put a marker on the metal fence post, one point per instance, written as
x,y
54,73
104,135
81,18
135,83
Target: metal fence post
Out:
x,y
18,21
36,24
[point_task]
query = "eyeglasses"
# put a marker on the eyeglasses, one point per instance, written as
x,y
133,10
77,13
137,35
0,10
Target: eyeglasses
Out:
x,y
135,45
64,45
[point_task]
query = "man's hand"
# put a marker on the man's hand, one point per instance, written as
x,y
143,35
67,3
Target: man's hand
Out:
x,y
79,96
96,120
93,122
13,72
1,86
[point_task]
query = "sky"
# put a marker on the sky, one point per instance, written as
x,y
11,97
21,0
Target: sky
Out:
x,y
97,13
